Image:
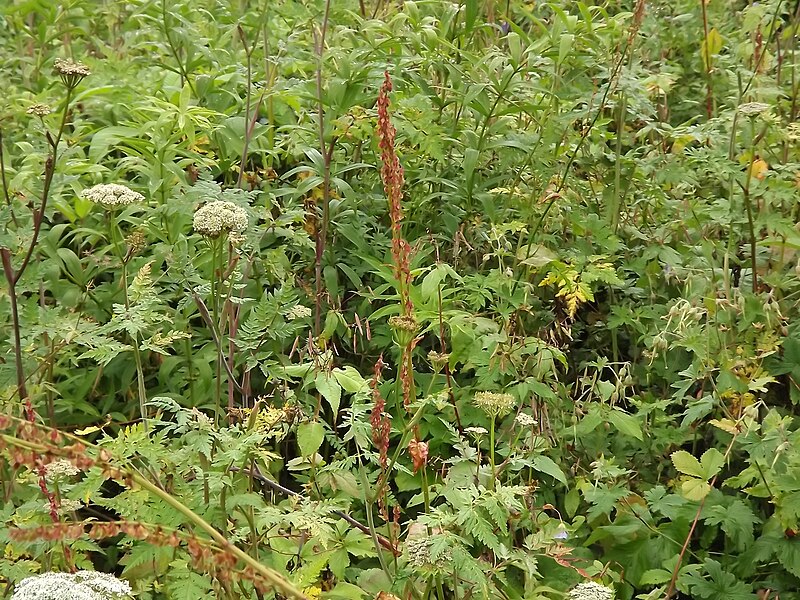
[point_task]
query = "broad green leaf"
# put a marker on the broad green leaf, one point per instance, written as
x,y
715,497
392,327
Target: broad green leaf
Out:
x,y
625,423
547,465
331,390
310,436
711,462
350,379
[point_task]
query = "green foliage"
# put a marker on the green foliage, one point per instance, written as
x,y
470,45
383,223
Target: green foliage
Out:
x,y
600,207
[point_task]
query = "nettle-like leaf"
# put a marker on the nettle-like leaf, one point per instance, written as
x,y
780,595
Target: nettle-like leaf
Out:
x,y
736,519
718,584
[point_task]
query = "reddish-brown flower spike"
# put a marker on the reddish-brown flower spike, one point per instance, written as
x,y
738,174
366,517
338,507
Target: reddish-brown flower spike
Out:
x,y
381,427
419,453
393,181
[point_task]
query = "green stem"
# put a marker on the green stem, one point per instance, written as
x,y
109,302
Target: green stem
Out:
x,y
491,452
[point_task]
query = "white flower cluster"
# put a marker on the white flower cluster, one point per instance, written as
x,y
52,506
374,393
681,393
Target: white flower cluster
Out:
x,y
112,195
67,506
71,68
525,420
752,109
591,591
39,110
60,469
298,312
494,404
476,431
83,585
219,217
419,553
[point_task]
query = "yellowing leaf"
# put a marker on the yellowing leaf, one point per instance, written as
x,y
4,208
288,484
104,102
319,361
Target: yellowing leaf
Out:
x,y
87,430
687,464
710,46
758,169
726,425
695,489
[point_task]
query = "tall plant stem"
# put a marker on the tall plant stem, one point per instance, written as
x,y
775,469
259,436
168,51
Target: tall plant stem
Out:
x,y
707,61
248,51
748,206
174,51
321,234
116,243
8,270
491,452
13,276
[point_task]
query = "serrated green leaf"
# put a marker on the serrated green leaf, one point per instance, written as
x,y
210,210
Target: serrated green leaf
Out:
x,y
687,464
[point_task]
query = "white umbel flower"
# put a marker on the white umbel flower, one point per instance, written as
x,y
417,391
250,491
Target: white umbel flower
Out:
x,y
494,404
83,585
112,195
591,591
60,469
219,217
752,109
525,420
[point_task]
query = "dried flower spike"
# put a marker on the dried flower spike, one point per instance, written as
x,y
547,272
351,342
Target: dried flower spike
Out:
x,y
218,218
419,453
112,195
70,71
494,404
83,585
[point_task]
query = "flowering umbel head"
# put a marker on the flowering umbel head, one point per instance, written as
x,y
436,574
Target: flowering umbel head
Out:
x,y
111,195
494,404
39,110
591,591
83,585
70,71
218,218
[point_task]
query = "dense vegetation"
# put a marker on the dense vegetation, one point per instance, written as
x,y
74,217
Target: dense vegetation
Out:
x,y
409,300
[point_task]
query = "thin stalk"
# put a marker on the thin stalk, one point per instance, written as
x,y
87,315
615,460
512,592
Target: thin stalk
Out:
x,y
8,270
173,50
707,61
326,151
491,452
248,50
748,205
